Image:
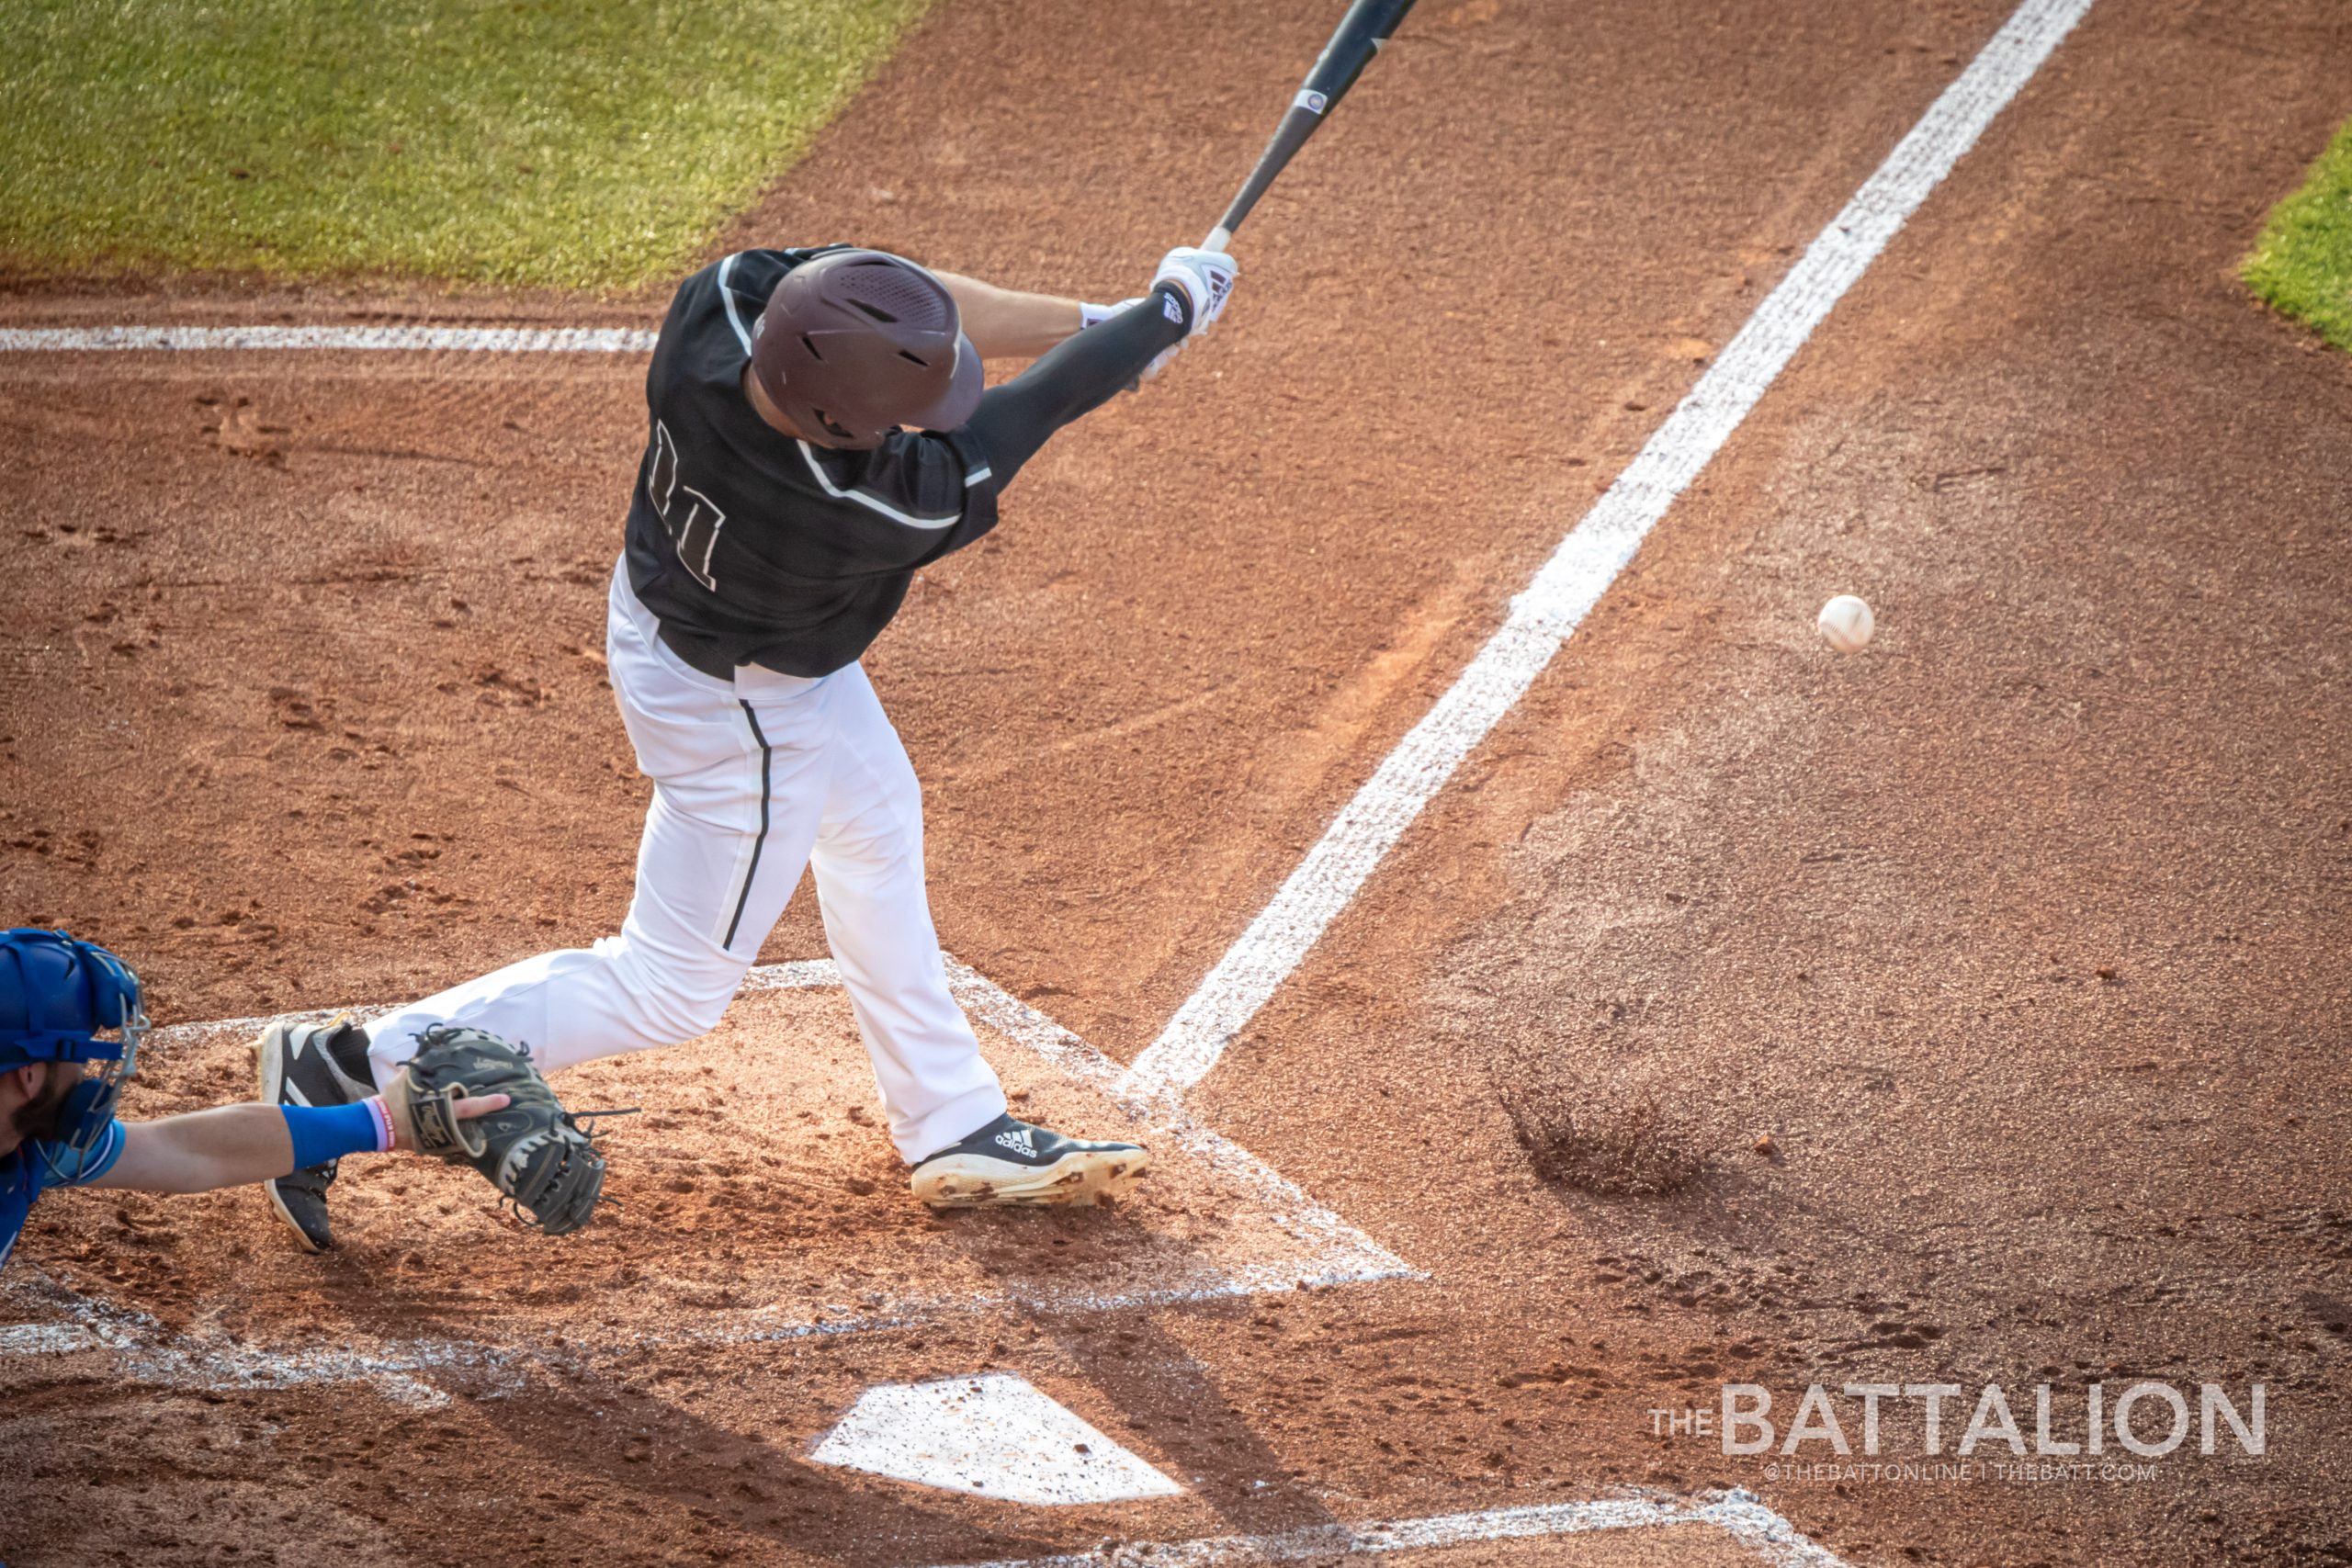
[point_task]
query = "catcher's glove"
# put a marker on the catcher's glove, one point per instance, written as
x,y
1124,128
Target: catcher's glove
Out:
x,y
533,1151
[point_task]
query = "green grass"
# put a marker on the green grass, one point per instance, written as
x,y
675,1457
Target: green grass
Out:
x,y
2302,264
577,144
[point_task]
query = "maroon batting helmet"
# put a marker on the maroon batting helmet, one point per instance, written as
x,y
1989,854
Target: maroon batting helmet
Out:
x,y
853,344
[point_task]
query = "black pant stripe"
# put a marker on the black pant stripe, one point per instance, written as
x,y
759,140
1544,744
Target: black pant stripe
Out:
x,y
767,764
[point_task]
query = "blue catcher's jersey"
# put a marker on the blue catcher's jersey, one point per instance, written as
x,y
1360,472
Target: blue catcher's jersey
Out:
x,y
26,1172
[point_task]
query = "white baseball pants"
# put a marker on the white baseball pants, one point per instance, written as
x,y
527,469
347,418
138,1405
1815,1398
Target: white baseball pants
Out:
x,y
753,778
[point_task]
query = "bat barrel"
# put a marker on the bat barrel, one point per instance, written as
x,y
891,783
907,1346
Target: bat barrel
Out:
x,y
1367,26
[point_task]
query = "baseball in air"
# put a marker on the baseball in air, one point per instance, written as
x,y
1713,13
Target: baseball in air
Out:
x,y
1845,624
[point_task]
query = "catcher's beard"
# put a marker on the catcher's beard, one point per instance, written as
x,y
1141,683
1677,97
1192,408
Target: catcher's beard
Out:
x,y
36,1118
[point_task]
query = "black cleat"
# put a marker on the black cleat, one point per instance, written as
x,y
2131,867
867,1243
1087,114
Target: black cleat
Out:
x,y
1013,1162
301,1201
311,1064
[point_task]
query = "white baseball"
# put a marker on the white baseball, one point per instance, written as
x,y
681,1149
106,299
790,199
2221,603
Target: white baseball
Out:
x,y
1845,624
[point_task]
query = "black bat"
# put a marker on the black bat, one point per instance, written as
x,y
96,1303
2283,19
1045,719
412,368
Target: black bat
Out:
x,y
1361,33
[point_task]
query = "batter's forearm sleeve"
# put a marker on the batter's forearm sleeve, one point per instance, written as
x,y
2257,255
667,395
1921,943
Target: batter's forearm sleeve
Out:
x,y
1078,376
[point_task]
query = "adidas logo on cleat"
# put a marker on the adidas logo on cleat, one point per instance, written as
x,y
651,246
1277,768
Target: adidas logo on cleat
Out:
x,y
1017,1139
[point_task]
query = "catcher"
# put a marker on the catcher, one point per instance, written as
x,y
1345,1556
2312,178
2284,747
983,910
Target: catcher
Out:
x,y
71,1024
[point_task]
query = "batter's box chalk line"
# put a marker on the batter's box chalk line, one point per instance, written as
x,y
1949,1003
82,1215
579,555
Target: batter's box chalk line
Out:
x,y
1737,1515
1318,1248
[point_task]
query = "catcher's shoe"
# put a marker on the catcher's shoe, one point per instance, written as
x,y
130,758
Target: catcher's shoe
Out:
x,y
311,1064
1012,1162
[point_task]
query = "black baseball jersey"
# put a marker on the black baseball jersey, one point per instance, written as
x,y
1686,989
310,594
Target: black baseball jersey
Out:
x,y
752,548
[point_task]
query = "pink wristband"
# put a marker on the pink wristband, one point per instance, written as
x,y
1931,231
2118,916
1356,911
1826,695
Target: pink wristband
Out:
x,y
387,1138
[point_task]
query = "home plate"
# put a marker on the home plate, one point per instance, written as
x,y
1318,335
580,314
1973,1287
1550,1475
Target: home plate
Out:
x,y
991,1435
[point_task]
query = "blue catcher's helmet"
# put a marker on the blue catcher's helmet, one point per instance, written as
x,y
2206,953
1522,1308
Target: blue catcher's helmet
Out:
x,y
57,997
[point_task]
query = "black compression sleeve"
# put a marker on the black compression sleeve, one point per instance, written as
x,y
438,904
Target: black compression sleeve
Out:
x,y
1080,374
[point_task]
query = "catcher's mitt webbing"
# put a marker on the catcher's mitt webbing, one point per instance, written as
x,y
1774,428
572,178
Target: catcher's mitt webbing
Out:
x,y
533,1151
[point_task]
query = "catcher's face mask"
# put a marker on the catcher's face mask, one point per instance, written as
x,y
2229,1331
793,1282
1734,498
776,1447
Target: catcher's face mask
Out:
x,y
75,1004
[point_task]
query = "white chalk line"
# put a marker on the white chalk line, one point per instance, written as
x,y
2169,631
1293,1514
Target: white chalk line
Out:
x,y
1331,1252
143,1350
1737,1514
1589,559
1336,1245
445,340
47,1339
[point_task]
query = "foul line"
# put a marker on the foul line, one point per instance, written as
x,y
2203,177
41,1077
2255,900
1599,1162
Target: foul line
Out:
x,y
1737,1513
464,340
1590,557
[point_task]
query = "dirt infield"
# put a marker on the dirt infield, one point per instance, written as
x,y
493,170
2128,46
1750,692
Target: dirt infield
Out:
x,y
2016,940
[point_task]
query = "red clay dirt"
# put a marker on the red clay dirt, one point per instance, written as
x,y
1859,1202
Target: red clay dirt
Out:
x,y
2020,935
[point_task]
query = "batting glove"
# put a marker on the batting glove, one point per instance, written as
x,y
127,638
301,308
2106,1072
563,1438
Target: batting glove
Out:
x,y
1206,279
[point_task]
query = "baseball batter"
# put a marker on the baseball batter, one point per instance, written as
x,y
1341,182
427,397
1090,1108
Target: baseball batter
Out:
x,y
817,433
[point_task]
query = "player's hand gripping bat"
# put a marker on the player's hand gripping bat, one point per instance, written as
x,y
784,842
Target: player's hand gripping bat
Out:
x,y
1361,31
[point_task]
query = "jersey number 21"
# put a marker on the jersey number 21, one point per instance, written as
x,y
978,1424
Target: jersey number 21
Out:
x,y
693,522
